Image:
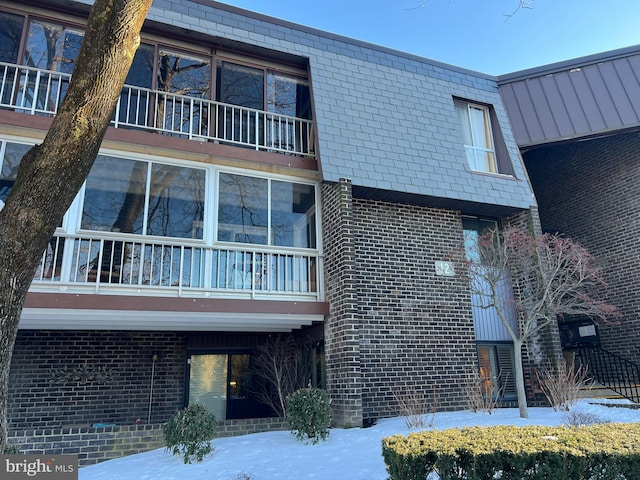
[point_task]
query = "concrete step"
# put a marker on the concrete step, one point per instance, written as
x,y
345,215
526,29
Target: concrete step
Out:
x,y
600,391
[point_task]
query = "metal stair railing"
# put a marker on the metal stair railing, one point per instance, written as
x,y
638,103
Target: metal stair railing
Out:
x,y
611,370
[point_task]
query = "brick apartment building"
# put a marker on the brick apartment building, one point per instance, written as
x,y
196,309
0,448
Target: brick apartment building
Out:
x,y
259,178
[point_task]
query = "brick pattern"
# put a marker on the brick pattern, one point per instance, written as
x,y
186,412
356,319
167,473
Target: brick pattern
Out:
x,y
591,191
97,444
92,445
342,347
416,328
69,378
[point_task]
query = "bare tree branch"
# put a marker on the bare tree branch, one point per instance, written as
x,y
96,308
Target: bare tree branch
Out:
x,y
553,277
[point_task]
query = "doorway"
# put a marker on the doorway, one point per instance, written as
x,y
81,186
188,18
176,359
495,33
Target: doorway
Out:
x,y
222,382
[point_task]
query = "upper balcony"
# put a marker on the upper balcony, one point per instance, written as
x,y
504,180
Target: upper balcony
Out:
x,y
108,259
38,91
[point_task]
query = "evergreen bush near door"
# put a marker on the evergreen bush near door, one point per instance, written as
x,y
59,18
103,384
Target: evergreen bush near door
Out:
x,y
189,433
309,414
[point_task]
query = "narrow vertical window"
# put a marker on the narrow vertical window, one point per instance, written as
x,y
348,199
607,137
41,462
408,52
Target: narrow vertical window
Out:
x,y
477,136
10,36
11,156
52,47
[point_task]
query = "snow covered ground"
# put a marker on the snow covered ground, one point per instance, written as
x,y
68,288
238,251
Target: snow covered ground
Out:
x,y
349,454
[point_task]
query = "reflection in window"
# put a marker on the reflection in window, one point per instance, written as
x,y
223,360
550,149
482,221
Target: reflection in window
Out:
x,y
251,207
116,198
52,47
176,202
473,228
288,96
496,370
293,214
134,105
141,71
242,209
10,36
115,195
12,153
240,85
184,75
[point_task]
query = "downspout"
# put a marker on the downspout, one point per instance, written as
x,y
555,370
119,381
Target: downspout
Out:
x,y
154,359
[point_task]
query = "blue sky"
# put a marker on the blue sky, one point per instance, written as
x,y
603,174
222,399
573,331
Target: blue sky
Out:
x,y
473,34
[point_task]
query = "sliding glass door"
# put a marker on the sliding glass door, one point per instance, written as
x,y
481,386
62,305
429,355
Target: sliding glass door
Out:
x,y
222,383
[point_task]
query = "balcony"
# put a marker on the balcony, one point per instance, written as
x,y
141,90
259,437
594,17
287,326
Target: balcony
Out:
x,y
39,92
131,265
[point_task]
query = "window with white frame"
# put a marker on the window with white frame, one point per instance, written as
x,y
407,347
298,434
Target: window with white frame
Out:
x,y
156,198
141,197
266,211
477,136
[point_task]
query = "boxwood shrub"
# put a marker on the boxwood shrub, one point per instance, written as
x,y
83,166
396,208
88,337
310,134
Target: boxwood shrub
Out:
x,y
603,452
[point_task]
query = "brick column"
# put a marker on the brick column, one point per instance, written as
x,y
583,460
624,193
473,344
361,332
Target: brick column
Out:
x,y
342,342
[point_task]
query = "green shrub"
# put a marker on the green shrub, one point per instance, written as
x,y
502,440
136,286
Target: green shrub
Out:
x,y
309,414
189,433
10,449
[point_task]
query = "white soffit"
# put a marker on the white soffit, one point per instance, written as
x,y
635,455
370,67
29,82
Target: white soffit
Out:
x,y
75,319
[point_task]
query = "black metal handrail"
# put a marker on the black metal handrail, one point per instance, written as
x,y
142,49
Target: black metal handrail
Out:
x,y
611,370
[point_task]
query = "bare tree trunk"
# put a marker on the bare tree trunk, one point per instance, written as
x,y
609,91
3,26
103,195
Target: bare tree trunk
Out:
x,y
519,378
51,174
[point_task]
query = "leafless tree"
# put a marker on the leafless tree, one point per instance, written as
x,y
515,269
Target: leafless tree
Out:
x,y
279,369
553,276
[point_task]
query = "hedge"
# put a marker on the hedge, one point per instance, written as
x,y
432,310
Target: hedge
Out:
x,y
604,452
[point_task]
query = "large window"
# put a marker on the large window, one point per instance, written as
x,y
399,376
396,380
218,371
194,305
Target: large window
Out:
x,y
264,211
131,196
150,197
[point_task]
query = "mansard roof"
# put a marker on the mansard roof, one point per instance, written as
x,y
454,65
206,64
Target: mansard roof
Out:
x,y
385,119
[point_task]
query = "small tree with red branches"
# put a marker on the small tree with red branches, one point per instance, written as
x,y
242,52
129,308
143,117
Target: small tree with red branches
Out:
x,y
553,276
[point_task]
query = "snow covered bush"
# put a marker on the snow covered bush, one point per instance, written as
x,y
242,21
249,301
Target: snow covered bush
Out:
x,y
309,414
189,433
